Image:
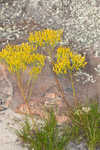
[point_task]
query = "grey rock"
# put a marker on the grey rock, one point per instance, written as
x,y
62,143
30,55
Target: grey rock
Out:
x,y
79,19
73,146
98,69
84,77
97,3
8,123
6,89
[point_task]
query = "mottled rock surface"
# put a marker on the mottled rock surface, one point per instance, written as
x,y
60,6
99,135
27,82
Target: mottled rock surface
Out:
x,y
6,89
79,19
8,123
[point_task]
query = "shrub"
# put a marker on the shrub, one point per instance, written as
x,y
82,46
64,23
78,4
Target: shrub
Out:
x,y
86,124
47,137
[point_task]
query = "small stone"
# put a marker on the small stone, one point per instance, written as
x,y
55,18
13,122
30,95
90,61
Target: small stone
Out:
x,y
62,119
1,29
51,95
2,108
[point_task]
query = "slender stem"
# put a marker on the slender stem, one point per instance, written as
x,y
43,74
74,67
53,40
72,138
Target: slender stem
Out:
x,y
76,123
61,90
57,81
22,92
91,146
74,92
28,84
72,82
30,90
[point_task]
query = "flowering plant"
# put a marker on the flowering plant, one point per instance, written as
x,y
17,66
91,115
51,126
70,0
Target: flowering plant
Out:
x,y
46,37
68,61
85,124
18,57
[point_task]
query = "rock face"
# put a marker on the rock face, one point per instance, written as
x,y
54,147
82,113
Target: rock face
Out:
x,y
8,123
12,10
6,89
79,19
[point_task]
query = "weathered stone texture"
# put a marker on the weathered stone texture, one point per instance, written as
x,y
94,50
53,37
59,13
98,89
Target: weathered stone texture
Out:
x,y
79,19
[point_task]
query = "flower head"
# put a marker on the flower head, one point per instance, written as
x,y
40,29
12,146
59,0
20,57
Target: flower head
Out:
x,y
47,37
68,61
86,109
18,57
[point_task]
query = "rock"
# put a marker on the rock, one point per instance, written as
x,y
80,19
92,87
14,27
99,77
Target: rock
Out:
x,y
85,77
6,89
8,123
79,19
62,119
35,107
98,69
73,146
51,95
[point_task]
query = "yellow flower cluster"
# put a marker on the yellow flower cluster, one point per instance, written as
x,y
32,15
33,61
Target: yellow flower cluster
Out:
x,y
68,61
46,37
18,57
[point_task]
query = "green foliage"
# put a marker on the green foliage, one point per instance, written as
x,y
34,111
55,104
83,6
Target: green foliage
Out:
x,y
47,137
86,124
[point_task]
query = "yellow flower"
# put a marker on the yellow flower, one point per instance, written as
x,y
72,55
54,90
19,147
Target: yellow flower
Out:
x,y
47,37
68,61
18,57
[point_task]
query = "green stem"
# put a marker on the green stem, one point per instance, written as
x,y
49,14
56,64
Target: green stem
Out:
x,y
56,79
72,82
28,84
23,94
74,92
61,90
91,146
30,90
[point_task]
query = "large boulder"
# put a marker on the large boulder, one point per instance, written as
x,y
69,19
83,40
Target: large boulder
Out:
x,y
79,19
